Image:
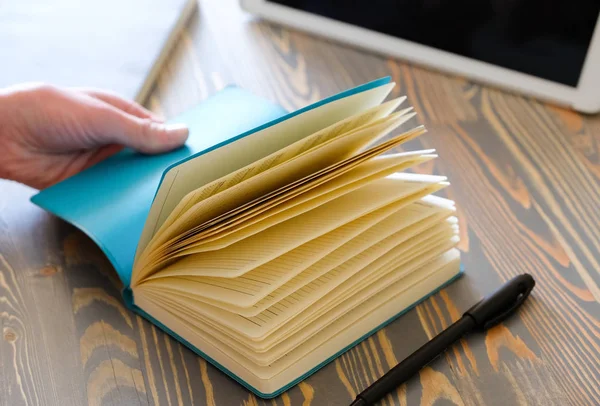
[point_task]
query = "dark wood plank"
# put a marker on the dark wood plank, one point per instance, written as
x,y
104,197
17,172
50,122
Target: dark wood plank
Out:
x,y
39,360
526,179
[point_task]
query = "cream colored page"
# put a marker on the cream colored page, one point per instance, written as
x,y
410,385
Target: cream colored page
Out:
x,y
443,207
156,261
336,246
289,191
317,199
311,273
293,189
304,333
349,274
362,319
412,191
320,218
306,198
296,168
224,235
319,348
254,251
325,311
359,287
362,301
288,194
283,155
351,292
369,314
259,327
338,175
324,293
326,265
197,172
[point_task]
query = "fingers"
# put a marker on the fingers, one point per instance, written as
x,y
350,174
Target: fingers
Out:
x,y
69,121
113,126
128,106
150,137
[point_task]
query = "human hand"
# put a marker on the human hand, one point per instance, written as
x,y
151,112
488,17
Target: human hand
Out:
x,y
48,134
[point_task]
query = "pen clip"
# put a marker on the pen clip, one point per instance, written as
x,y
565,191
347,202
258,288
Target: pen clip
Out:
x,y
525,290
500,304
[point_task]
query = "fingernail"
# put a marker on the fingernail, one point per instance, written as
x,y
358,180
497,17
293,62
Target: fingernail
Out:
x,y
178,130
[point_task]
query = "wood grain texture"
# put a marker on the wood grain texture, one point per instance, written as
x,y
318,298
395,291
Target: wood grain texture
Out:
x,y
526,179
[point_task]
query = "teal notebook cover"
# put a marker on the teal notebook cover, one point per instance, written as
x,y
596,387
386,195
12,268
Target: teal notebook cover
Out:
x,y
111,200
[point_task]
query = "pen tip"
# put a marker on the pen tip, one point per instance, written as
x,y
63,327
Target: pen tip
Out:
x,y
359,402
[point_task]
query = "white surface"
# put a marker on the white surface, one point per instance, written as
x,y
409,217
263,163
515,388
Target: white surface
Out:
x,y
110,44
584,98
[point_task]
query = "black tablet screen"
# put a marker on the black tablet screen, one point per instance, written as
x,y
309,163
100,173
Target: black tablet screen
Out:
x,y
545,38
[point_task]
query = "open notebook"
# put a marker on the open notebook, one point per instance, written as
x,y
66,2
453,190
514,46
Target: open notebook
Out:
x,y
271,252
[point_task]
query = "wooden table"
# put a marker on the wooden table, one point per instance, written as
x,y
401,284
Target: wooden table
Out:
x,y
525,176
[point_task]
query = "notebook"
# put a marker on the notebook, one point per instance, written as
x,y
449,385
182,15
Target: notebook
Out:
x,y
272,242
111,44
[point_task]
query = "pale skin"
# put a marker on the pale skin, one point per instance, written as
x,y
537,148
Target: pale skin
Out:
x,y
48,133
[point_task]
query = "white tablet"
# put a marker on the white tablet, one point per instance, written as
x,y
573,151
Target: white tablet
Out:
x,y
546,49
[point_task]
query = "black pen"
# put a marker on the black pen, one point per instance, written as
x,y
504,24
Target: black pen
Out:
x,y
485,314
